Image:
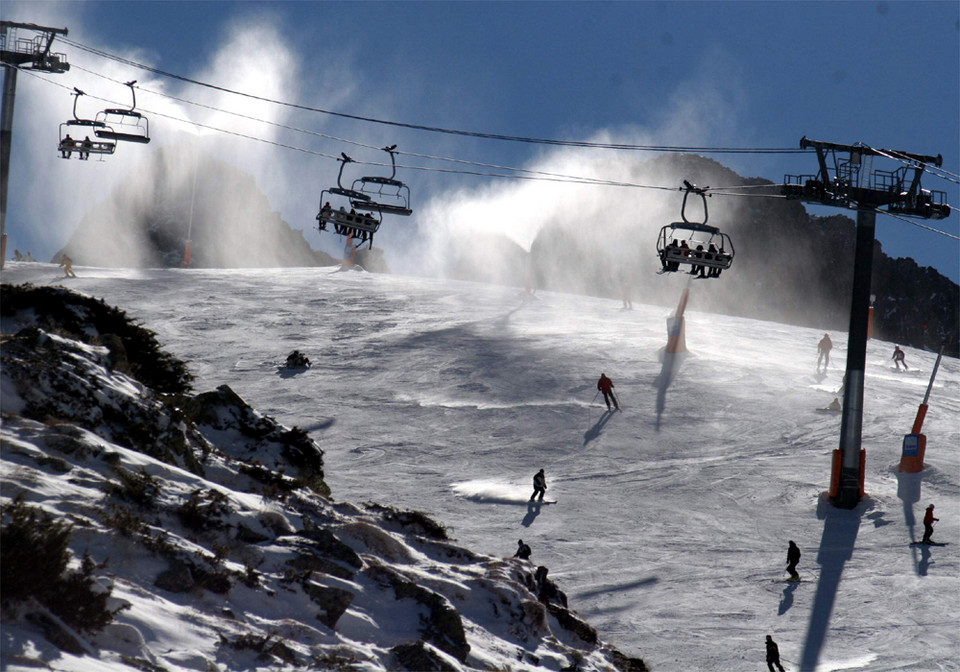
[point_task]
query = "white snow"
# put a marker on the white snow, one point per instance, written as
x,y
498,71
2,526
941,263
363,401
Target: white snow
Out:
x,y
446,397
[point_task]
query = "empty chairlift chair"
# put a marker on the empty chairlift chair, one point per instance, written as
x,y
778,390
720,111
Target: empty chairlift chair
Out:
x,y
124,124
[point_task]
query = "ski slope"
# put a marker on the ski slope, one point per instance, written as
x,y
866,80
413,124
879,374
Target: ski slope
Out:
x,y
446,397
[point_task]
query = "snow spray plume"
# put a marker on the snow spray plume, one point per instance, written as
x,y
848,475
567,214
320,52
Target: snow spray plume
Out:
x,y
140,209
582,238
48,194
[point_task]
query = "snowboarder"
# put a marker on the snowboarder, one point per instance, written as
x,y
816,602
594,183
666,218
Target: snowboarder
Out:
x,y
898,358
928,521
793,557
67,264
605,385
539,485
523,551
823,348
773,653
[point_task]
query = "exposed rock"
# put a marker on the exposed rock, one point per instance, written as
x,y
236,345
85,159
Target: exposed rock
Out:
x,y
333,601
248,536
248,435
444,628
57,634
328,544
176,579
420,657
570,622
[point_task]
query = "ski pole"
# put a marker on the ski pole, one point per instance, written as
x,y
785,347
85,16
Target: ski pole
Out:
x,y
595,396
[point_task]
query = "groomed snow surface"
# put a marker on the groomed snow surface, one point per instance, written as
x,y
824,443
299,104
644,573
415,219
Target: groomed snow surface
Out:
x,y
669,534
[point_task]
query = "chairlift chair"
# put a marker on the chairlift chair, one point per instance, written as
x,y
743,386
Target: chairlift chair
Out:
x,y
361,222
72,129
387,195
123,124
695,244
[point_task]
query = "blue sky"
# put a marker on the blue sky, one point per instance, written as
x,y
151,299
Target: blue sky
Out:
x,y
746,74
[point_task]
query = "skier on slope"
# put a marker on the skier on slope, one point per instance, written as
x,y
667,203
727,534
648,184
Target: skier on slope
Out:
x,y
898,358
523,551
928,521
539,485
793,557
823,349
773,654
605,385
67,264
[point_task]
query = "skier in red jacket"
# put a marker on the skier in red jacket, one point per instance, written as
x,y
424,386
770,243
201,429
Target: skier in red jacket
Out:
x,y
605,385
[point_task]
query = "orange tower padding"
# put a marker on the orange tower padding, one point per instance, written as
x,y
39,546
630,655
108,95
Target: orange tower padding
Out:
x,y
863,471
836,467
187,255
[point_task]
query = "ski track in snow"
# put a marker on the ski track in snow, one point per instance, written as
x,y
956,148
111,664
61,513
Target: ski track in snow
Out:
x,y
446,397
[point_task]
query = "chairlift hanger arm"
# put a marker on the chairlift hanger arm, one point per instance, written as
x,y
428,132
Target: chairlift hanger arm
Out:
x,y
702,193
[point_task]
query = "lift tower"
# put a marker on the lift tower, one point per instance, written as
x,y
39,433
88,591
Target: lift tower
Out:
x,y
847,180
29,53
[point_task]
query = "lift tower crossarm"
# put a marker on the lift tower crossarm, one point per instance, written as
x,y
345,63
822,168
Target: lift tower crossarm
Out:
x,y
806,143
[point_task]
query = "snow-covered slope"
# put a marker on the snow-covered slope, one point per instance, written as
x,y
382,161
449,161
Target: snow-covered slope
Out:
x,y
669,538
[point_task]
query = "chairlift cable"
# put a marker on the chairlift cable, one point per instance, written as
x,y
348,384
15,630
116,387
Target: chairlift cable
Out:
x,y
559,178
438,129
937,171
579,179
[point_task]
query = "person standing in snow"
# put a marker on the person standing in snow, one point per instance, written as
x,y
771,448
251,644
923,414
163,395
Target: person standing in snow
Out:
x,y
823,349
773,654
793,557
523,551
605,385
539,485
928,521
898,358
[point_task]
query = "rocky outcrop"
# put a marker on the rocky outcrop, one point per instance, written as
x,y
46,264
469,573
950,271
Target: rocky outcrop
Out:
x,y
259,559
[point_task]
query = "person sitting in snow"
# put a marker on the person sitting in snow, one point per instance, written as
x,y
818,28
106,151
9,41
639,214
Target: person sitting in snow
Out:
x,y
298,360
523,551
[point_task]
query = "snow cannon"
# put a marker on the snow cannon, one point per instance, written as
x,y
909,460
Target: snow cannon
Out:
x,y
915,443
676,338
